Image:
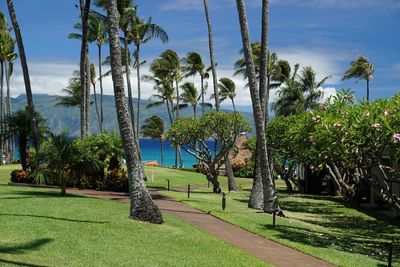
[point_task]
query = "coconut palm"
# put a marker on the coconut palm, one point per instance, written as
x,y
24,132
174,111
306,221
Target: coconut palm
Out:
x,y
270,198
311,87
142,206
360,69
72,91
25,72
140,32
194,65
189,96
154,128
212,57
227,89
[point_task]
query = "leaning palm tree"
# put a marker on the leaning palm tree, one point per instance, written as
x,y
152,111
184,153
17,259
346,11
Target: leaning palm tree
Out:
x,y
25,71
227,89
189,96
140,32
154,128
142,206
194,65
360,69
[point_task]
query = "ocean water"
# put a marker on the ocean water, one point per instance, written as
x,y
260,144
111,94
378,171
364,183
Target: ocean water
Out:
x,y
150,150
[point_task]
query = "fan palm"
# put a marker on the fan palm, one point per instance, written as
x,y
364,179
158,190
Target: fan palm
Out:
x,y
360,69
140,32
194,65
227,89
154,128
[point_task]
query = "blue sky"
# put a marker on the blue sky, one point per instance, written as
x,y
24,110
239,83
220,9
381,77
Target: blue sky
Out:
x,y
326,34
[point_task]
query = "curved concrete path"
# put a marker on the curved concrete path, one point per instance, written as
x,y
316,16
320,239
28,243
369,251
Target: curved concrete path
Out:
x,y
262,248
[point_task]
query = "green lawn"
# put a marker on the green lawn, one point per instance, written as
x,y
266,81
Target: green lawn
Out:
x,y
320,226
40,228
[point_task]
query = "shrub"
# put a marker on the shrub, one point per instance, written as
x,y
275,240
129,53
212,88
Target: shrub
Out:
x,y
245,172
20,176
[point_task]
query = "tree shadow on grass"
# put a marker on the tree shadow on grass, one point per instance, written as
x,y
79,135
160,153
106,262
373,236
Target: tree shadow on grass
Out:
x,y
23,248
52,218
346,243
39,194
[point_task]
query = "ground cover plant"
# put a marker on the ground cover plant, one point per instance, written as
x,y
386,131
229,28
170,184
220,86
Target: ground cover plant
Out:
x,y
41,228
321,226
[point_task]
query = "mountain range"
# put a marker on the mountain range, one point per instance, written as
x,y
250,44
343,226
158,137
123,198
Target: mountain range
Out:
x,y
60,117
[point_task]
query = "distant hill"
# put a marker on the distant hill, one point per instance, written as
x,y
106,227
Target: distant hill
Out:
x,y
58,117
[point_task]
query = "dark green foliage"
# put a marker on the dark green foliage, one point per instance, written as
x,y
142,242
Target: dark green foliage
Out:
x,y
245,172
19,176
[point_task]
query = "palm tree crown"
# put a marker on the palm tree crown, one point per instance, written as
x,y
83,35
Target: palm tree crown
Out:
x,y
360,69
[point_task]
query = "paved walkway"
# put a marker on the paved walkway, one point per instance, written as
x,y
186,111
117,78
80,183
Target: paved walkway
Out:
x,y
262,248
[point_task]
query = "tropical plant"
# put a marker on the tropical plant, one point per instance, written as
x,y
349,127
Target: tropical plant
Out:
x,y
194,65
360,69
19,124
192,135
189,96
227,89
142,206
140,32
154,128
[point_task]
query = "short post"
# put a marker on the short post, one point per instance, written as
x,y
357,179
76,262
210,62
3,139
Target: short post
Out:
x,y
389,246
168,184
273,218
223,201
188,191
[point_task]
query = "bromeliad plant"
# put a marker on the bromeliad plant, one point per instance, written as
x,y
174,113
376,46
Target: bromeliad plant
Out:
x,y
219,127
349,140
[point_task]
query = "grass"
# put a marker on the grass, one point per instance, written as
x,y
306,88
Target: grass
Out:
x,y
317,225
40,228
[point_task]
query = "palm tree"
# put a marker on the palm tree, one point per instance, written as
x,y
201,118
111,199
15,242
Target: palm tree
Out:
x,y
9,68
194,65
72,91
189,96
19,124
154,128
140,32
25,71
212,59
142,206
270,198
360,69
227,89
93,82
311,87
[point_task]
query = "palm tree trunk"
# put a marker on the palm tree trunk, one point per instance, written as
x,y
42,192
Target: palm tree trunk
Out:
x,y
194,112
142,206
9,134
177,150
96,106
84,74
162,151
212,60
25,71
101,91
128,81
87,91
270,198
367,89
169,111
202,95
229,173
264,56
1,111
233,104
139,91
256,199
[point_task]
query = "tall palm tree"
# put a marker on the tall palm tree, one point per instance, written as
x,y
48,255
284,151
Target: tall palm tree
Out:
x,y
227,89
189,96
142,206
270,198
311,87
154,128
9,68
360,69
25,71
140,32
194,65
212,57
